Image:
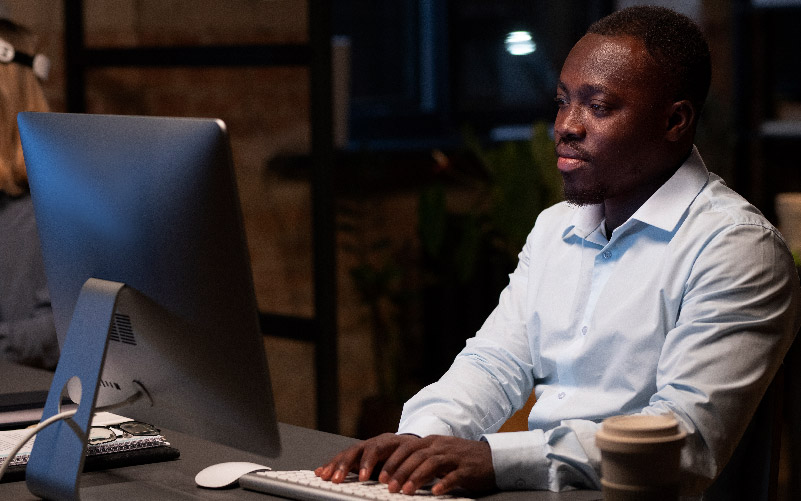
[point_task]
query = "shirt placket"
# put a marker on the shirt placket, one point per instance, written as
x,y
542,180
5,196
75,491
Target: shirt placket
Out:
x,y
604,261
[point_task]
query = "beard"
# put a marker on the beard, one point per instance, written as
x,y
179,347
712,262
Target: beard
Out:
x,y
581,194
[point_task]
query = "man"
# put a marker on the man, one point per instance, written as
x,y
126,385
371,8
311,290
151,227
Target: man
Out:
x,y
653,289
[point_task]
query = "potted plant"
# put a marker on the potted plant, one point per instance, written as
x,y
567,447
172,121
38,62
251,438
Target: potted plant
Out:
x,y
426,298
467,253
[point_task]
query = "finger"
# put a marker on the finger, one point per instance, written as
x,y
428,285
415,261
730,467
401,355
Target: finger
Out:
x,y
419,467
376,451
476,477
337,469
425,471
334,472
400,455
362,458
325,471
447,483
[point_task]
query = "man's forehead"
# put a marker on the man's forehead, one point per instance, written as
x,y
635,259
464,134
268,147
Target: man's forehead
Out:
x,y
602,61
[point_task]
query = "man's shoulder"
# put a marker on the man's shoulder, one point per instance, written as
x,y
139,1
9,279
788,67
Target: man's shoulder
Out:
x,y
720,214
721,204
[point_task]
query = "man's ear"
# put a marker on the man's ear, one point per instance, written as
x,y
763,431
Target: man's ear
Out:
x,y
681,120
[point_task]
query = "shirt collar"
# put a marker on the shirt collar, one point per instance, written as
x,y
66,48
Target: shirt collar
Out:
x,y
666,207
663,210
585,220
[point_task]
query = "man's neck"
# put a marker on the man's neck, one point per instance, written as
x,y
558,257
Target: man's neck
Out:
x,y
619,209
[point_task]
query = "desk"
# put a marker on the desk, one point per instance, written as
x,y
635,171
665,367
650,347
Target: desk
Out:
x,y
301,449
25,387
17,378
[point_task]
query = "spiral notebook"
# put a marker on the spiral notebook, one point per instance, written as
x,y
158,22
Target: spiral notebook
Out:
x,y
124,451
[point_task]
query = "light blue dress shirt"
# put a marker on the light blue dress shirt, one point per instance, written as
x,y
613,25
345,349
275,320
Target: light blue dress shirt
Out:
x,y
689,307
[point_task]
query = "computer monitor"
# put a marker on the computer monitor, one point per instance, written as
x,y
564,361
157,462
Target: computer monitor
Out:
x,y
152,203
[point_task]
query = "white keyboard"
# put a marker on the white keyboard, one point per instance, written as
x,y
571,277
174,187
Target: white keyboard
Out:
x,y
304,485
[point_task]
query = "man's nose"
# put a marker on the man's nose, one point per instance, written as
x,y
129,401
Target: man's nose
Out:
x,y
569,123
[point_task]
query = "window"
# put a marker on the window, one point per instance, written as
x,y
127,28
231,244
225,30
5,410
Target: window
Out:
x,y
421,70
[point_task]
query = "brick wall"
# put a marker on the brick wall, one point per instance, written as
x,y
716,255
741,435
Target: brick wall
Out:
x,y
266,110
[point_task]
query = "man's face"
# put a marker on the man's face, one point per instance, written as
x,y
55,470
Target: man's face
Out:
x,y
611,121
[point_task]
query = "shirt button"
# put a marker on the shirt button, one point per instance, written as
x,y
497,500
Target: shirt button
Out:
x,y
561,395
607,254
584,330
520,483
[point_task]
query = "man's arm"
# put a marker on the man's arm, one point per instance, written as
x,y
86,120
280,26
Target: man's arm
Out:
x,y
737,317
448,408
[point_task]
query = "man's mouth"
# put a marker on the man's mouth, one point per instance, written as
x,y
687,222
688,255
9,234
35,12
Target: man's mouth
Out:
x,y
568,159
567,164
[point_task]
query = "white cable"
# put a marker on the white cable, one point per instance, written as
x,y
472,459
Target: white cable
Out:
x,y
57,417
110,407
31,432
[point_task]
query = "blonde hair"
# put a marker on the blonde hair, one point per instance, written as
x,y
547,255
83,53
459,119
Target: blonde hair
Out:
x,y
19,91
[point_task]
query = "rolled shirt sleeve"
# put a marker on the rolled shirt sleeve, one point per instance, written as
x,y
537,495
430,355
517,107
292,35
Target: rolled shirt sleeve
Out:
x,y
547,460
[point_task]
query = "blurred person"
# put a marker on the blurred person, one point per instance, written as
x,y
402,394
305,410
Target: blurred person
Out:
x,y
27,331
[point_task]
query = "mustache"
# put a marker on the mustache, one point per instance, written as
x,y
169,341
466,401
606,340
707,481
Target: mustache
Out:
x,y
566,147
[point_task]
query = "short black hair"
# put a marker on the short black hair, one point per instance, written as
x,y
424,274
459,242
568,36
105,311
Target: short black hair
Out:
x,y
675,43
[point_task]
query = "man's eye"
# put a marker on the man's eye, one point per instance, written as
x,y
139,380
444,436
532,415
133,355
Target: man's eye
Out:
x,y
599,108
560,101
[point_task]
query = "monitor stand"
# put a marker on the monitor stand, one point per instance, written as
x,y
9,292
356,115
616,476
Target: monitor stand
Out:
x,y
59,450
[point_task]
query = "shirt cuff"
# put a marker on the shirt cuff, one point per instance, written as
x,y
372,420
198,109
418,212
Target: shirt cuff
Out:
x,y
423,426
519,459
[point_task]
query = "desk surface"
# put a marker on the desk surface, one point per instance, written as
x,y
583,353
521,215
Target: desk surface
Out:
x,y
17,378
301,449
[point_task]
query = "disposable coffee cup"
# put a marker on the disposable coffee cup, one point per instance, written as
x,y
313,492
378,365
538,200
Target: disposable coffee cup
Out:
x,y
640,457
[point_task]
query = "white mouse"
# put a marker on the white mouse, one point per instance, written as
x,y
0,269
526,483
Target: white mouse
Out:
x,y
222,475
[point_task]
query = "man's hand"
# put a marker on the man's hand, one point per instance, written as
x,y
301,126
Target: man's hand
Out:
x,y
410,462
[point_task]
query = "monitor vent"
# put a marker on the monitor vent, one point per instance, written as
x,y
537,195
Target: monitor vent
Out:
x,y
121,330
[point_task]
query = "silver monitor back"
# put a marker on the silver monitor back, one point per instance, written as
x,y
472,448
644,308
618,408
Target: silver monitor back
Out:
x,y
152,202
